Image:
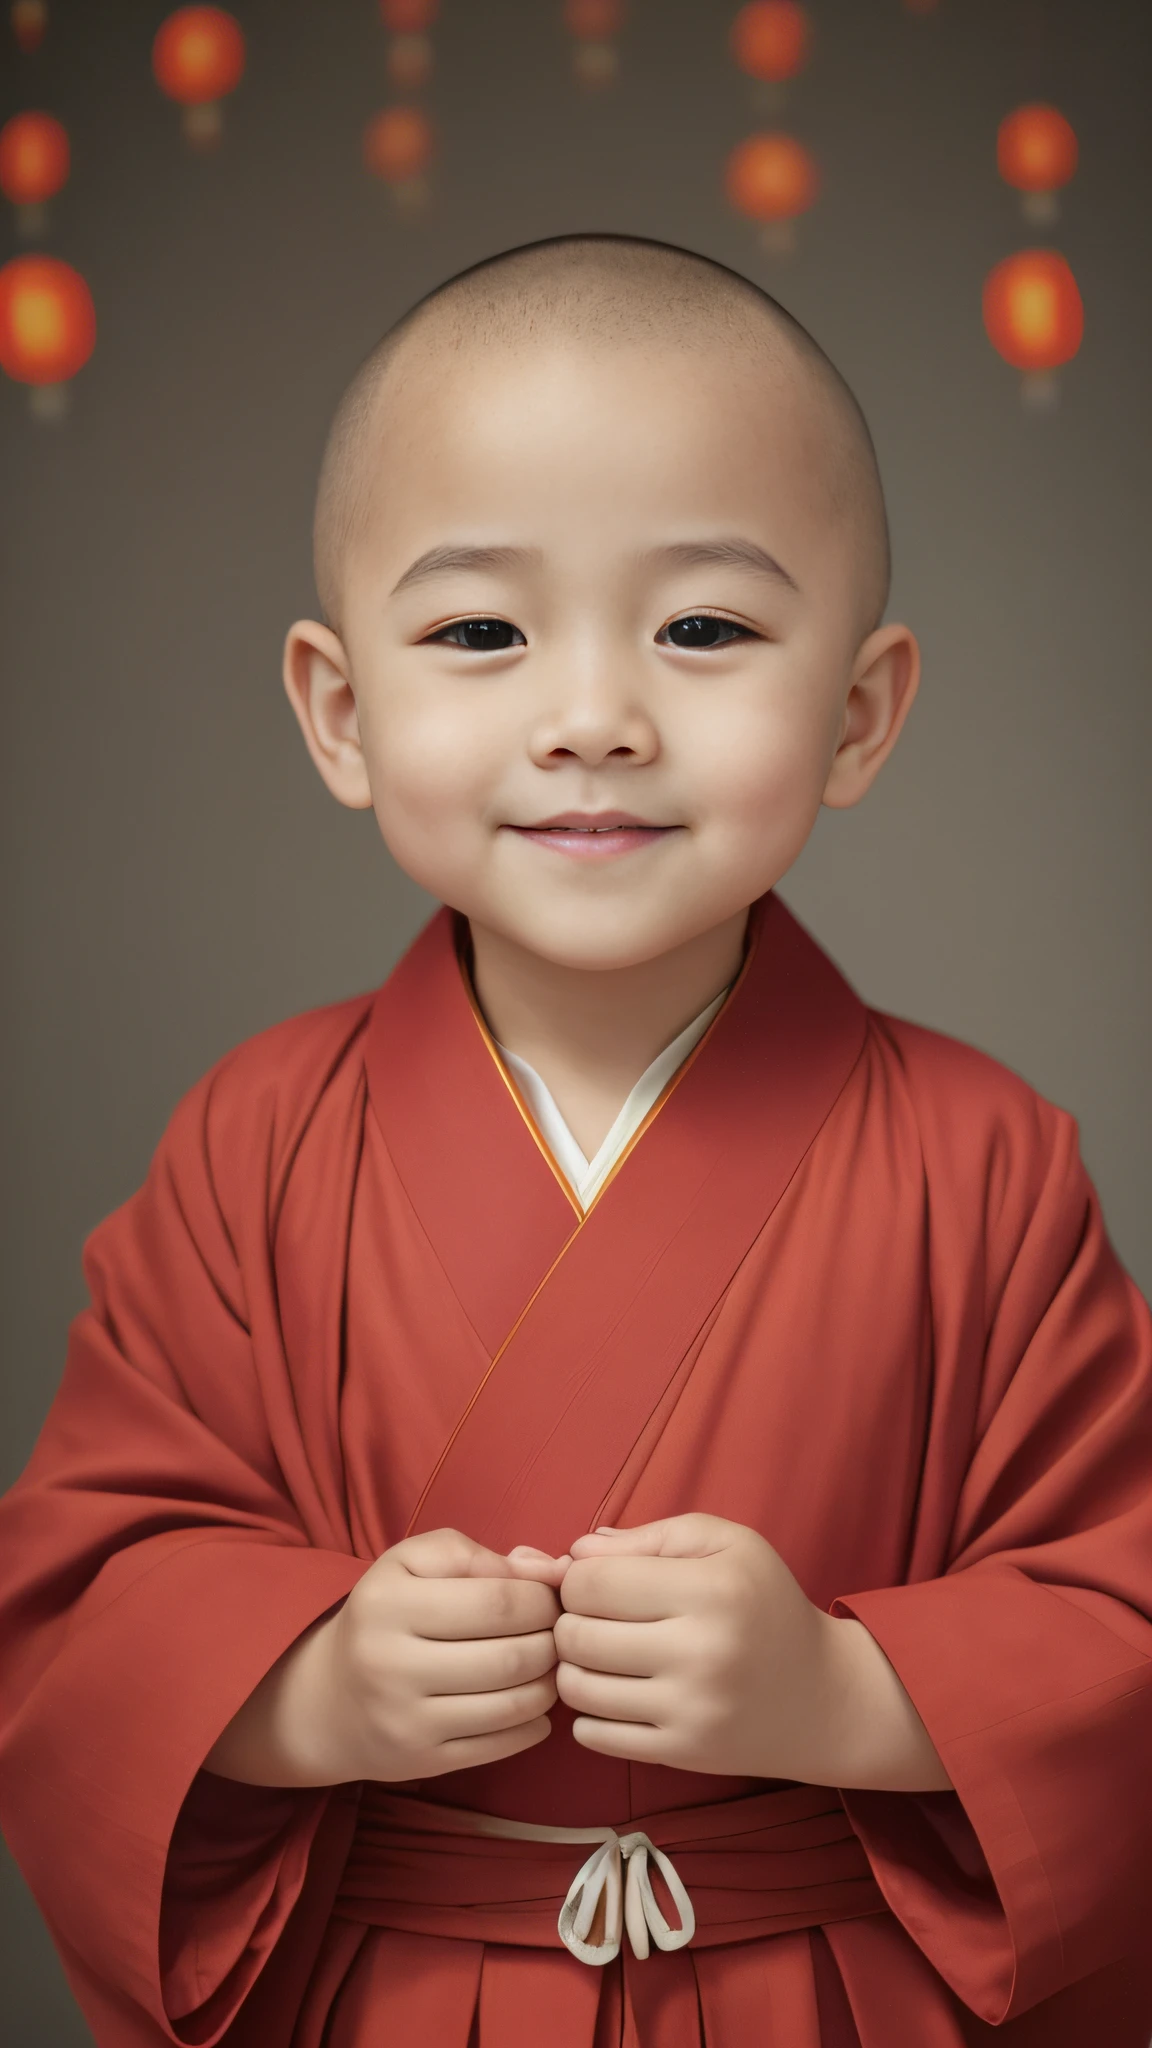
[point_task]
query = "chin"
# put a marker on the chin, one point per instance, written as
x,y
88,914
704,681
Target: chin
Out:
x,y
600,939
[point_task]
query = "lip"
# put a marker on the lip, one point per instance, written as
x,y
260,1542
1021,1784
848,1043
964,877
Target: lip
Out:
x,y
593,821
594,835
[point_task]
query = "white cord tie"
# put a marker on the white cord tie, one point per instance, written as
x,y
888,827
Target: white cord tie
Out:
x,y
617,1873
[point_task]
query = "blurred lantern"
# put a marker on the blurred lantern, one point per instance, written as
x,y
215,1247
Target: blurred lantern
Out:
x,y
594,26
197,58
398,146
34,159
1034,317
1037,152
409,52
771,41
29,21
47,329
408,17
772,178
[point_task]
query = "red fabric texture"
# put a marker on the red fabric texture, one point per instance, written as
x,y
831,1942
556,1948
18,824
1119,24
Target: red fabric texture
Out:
x,y
851,1287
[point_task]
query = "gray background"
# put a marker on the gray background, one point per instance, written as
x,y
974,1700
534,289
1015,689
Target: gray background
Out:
x,y
175,876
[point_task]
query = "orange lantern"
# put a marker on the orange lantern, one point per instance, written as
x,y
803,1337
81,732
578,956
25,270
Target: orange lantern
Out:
x,y
197,58
1037,152
29,21
772,178
771,40
594,26
1034,317
34,160
398,147
47,328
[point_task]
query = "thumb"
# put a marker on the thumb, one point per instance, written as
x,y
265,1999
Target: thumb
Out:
x,y
446,1554
529,1563
675,1536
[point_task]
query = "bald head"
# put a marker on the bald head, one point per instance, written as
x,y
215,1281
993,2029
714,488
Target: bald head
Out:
x,y
603,292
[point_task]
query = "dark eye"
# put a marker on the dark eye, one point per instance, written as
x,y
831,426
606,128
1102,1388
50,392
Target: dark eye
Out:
x,y
482,636
700,630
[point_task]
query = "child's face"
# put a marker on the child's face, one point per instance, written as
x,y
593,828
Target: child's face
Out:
x,y
600,659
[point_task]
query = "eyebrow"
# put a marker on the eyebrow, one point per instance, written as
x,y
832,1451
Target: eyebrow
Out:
x,y
444,560
735,553
732,553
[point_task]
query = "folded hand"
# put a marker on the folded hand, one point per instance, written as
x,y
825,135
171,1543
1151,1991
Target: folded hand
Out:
x,y
689,1643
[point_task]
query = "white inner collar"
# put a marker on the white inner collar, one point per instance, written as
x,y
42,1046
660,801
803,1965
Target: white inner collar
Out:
x,y
586,1177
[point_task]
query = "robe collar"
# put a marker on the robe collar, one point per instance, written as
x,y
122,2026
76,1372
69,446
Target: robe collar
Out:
x,y
586,1319
587,1176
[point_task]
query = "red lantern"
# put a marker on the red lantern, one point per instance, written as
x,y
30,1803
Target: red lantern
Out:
x,y
771,40
47,328
398,147
29,21
1034,317
1037,152
197,58
594,26
772,178
408,17
34,160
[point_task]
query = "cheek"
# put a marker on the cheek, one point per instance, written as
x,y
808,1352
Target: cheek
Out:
x,y
431,766
767,766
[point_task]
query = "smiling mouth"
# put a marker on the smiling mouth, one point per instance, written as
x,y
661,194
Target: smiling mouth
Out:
x,y
594,835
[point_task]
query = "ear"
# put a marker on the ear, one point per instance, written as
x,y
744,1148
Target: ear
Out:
x,y
885,678
320,692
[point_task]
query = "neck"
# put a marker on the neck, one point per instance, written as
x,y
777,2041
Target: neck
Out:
x,y
591,1034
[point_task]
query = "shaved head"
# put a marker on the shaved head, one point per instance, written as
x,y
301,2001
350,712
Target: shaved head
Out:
x,y
602,292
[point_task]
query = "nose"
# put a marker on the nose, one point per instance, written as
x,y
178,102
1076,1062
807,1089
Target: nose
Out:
x,y
596,712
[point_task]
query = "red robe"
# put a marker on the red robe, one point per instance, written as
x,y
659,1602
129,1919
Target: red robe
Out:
x,y
850,1286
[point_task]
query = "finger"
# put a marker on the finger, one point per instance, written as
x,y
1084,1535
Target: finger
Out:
x,y
527,1563
457,1609
633,1649
491,1664
607,1698
446,1554
487,1713
675,1536
634,1588
637,1741
468,1752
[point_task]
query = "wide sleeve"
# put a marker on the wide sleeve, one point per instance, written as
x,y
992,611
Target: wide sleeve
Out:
x,y
1029,1657
155,1561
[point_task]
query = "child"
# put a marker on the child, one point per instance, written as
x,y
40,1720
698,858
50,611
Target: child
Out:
x,y
603,1494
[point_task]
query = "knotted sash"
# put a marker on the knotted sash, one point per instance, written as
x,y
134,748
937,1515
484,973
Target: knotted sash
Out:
x,y
463,1923
765,1864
